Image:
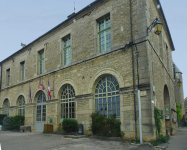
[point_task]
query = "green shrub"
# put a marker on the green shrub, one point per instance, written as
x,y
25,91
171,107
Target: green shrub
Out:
x,y
1,118
18,121
179,116
160,139
8,123
70,125
106,126
186,123
158,117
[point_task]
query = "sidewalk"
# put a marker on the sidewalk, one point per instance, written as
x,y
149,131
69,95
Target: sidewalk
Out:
x,y
177,141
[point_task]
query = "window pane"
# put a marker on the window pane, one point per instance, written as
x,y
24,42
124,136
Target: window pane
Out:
x,y
67,51
68,107
21,106
108,103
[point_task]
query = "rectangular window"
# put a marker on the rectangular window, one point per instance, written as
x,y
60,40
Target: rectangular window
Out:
x,y
41,62
67,50
22,70
104,33
8,76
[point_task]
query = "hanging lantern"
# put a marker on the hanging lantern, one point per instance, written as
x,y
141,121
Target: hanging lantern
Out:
x,y
179,83
158,26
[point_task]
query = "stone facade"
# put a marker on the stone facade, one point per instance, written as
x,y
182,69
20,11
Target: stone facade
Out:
x,y
153,67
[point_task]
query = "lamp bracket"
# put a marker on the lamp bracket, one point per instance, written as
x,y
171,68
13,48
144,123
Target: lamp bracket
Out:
x,y
151,26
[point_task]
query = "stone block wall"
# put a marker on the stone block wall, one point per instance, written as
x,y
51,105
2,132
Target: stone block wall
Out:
x,y
161,65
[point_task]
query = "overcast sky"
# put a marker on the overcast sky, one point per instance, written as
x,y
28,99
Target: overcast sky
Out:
x,y
24,21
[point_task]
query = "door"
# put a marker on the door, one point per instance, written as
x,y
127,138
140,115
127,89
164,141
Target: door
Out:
x,y
40,112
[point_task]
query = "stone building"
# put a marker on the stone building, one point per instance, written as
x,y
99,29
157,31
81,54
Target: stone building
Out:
x,y
95,61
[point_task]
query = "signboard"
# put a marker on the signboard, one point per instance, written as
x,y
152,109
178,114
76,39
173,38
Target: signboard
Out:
x,y
173,116
167,109
167,116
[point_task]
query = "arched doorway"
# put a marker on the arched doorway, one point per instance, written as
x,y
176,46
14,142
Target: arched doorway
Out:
x,y
167,109
40,111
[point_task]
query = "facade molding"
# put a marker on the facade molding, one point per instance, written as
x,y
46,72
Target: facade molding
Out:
x,y
19,95
84,96
106,71
65,67
12,107
52,101
64,82
37,92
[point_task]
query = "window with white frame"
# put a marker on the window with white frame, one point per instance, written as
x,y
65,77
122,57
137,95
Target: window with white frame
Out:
x,y
104,33
8,76
6,106
41,62
107,98
22,70
67,102
67,50
21,106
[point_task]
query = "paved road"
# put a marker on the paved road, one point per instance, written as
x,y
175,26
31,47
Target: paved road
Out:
x,y
40,141
177,141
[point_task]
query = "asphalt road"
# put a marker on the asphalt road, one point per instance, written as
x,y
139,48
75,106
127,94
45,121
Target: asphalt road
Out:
x,y
177,141
40,141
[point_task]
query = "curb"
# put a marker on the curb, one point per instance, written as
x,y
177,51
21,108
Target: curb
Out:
x,y
107,138
75,136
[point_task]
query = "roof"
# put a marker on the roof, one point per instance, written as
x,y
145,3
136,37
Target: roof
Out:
x,y
94,2
176,68
167,28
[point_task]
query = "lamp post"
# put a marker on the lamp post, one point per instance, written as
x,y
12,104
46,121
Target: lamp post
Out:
x,y
157,25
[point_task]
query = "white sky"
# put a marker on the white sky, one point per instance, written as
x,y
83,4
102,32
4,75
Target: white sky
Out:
x,y
24,21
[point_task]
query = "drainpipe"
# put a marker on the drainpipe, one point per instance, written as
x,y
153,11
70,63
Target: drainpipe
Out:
x,y
137,55
133,72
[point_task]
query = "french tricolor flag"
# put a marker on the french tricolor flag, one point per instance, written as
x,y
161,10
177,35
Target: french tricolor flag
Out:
x,y
49,91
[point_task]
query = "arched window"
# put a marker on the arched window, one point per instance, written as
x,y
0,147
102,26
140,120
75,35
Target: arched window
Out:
x,y
6,106
107,98
68,102
21,106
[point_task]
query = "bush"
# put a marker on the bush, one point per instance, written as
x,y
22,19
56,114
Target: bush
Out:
x,y
18,121
1,118
106,126
179,116
186,123
70,125
160,139
158,117
8,123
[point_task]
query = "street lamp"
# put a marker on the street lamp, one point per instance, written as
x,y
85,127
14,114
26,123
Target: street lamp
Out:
x,y
179,83
157,25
